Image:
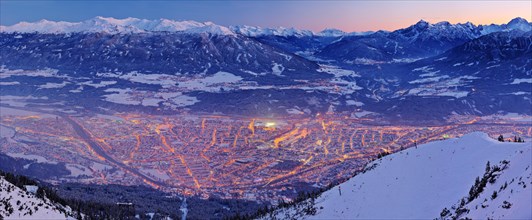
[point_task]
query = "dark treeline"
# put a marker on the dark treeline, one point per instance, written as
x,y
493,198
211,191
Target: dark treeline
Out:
x,y
515,139
112,201
90,210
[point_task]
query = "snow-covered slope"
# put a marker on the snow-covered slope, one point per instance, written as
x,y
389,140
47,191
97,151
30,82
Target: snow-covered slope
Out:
x,y
418,183
113,25
255,31
16,203
512,189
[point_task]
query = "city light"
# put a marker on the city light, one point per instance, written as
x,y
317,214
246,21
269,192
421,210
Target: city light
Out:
x,y
270,124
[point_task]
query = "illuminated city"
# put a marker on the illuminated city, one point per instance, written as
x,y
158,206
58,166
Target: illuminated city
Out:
x,y
267,110
245,158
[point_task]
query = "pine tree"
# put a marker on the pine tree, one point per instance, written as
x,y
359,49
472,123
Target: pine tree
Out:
x,y
501,138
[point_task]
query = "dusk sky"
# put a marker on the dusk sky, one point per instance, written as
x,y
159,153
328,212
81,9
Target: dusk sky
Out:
x,y
312,15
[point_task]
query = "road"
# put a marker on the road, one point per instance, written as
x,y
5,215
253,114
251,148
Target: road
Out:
x,y
95,146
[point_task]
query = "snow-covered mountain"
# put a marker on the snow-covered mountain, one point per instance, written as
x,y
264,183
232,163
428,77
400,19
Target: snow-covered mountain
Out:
x,y
515,24
136,25
476,72
169,53
254,31
113,25
16,203
422,182
457,66
420,40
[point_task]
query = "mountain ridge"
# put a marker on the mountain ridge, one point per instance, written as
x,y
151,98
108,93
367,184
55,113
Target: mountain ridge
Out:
x,y
136,25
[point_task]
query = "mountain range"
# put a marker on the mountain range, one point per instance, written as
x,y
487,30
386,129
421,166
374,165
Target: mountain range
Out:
x,y
462,68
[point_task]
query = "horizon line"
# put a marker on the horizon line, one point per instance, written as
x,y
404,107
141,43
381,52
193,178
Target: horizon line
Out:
x,y
264,27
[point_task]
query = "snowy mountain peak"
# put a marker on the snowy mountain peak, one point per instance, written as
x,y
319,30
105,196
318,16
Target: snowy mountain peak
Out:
x,y
519,24
255,31
114,25
422,24
518,20
515,24
442,23
331,32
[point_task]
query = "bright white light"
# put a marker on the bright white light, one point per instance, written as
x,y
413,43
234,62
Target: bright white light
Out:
x,y
270,124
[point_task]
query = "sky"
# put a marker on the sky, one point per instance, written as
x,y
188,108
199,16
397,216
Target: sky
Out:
x,y
316,15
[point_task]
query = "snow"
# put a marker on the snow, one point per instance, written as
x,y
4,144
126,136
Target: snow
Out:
x,y
77,90
19,101
456,94
361,114
4,111
337,71
6,132
31,188
53,85
146,98
9,83
98,85
254,31
100,167
423,69
77,170
353,102
331,32
121,96
519,81
418,183
113,25
151,102
37,158
210,83
440,86
184,100
294,111
164,80
5,73
428,80
184,209
11,195
515,24
519,93
429,74
277,69
517,192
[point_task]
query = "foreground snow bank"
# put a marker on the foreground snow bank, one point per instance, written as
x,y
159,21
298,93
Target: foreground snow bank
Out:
x,y
418,183
16,203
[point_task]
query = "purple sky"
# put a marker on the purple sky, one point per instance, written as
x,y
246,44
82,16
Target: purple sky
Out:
x,y
313,15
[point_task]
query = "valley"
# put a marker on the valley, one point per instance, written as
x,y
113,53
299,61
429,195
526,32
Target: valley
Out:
x,y
258,159
198,120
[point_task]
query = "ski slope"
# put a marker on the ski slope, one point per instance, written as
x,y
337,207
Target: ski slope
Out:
x,y
418,183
